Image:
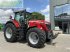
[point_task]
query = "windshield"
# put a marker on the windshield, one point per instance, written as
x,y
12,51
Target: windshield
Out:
x,y
18,17
23,15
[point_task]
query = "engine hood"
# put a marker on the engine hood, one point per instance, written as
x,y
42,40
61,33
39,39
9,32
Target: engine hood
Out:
x,y
39,21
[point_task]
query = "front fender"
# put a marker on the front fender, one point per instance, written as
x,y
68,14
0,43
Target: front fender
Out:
x,y
17,25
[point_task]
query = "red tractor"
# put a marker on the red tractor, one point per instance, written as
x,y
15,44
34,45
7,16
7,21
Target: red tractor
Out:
x,y
36,32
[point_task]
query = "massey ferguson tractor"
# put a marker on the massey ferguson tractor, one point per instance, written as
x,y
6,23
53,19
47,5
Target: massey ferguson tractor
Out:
x,y
36,32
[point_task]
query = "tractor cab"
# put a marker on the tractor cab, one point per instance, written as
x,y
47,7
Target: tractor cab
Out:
x,y
22,16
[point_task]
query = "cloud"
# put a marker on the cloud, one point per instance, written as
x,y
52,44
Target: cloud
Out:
x,y
5,12
1,1
46,10
1,12
47,17
4,15
28,9
9,3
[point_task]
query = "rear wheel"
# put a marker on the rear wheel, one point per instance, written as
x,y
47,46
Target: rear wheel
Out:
x,y
10,33
36,37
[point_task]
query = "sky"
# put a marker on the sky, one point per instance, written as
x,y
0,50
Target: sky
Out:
x,y
11,3
36,5
41,6
62,9
6,6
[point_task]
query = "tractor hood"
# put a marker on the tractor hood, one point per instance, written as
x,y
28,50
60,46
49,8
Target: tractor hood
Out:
x,y
39,21
41,24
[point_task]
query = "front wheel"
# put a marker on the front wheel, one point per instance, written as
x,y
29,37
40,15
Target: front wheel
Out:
x,y
9,33
36,37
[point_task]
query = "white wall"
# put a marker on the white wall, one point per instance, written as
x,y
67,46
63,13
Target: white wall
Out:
x,y
58,2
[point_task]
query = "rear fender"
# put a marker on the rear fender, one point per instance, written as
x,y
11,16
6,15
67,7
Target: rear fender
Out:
x,y
36,25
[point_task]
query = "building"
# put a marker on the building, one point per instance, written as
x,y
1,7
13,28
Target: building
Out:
x,y
60,14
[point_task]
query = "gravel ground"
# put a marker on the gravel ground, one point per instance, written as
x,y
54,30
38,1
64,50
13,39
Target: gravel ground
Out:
x,y
61,44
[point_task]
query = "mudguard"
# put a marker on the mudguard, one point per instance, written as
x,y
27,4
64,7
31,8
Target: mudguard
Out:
x,y
38,24
16,23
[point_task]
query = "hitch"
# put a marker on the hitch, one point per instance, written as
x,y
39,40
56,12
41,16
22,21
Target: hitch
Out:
x,y
56,35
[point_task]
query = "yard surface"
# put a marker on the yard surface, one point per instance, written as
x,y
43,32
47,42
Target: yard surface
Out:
x,y
61,44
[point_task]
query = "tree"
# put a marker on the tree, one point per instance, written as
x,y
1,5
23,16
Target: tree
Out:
x,y
1,26
38,16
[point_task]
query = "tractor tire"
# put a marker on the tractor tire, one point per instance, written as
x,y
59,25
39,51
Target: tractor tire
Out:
x,y
36,37
49,37
10,33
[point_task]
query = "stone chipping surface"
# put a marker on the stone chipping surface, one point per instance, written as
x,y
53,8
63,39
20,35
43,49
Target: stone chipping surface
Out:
x,y
60,44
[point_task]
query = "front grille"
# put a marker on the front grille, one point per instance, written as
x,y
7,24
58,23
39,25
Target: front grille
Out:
x,y
49,26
